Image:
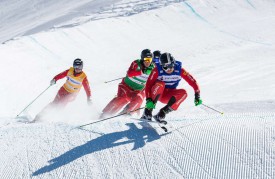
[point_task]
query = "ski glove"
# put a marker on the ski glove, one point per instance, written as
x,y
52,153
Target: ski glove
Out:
x,y
198,100
89,101
150,104
52,82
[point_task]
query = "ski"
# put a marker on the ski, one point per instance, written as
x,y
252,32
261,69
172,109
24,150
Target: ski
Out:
x,y
161,125
164,128
27,122
24,119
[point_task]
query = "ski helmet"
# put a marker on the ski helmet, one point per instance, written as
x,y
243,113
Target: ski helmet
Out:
x,y
167,61
146,53
156,54
78,64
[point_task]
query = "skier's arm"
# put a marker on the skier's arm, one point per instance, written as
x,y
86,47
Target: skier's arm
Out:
x,y
134,70
150,82
61,75
190,80
86,86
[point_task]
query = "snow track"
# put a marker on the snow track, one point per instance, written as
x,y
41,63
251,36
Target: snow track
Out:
x,y
196,148
218,144
231,55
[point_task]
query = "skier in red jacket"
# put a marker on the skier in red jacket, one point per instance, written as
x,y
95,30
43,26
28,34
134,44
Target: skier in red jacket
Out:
x,y
131,89
161,86
76,78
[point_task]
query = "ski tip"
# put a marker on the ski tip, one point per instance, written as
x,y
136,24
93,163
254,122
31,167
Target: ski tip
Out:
x,y
165,129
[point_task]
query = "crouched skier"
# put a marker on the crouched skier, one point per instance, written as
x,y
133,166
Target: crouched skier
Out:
x,y
162,86
131,89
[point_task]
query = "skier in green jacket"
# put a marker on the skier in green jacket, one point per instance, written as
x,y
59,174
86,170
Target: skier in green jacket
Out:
x,y
131,89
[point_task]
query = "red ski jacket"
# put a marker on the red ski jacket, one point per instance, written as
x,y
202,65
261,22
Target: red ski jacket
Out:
x,y
184,74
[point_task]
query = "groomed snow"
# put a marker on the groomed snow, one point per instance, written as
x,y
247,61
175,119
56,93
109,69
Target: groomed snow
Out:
x,y
228,46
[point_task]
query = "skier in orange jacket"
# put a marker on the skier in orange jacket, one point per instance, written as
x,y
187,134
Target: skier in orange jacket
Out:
x,y
76,78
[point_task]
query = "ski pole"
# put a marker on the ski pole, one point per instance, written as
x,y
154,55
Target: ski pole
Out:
x,y
110,117
33,100
113,80
212,109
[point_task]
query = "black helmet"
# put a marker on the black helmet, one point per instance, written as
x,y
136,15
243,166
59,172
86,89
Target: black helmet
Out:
x,y
78,63
146,53
167,61
156,54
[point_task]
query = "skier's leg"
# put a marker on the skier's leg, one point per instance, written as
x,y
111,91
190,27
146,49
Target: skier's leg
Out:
x,y
157,91
62,98
180,95
118,102
135,102
115,105
173,98
53,105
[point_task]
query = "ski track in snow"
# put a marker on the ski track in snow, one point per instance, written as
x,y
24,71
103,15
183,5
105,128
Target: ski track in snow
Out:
x,y
188,143
94,11
222,31
186,151
120,9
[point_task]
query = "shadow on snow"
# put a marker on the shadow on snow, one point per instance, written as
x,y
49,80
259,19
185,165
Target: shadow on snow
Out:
x,y
133,135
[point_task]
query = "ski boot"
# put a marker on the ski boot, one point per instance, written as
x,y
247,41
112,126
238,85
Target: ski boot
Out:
x,y
147,114
160,116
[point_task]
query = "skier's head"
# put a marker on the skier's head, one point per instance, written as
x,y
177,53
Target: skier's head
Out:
x,y
156,54
167,61
78,65
146,57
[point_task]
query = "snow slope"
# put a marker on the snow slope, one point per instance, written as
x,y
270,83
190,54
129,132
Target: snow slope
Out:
x,y
26,17
228,46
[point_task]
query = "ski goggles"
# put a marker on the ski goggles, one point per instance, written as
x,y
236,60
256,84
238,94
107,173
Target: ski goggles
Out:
x,y
168,66
78,67
148,59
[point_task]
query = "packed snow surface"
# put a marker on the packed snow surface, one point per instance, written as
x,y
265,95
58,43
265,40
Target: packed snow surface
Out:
x,y
228,46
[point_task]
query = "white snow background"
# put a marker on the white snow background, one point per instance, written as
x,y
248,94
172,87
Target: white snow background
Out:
x,y
228,46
